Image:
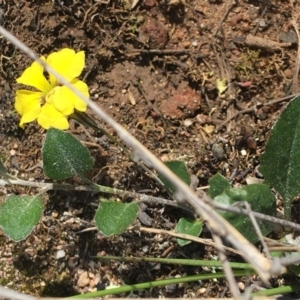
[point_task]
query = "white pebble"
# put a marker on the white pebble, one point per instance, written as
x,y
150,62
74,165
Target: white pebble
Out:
x,y
244,152
60,254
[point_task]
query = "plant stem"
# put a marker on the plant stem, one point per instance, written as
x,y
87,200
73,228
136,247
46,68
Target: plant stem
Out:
x,y
176,261
148,285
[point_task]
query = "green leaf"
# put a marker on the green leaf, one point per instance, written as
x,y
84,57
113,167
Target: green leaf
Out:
x,y
64,156
19,215
280,163
217,185
179,168
114,217
187,226
260,198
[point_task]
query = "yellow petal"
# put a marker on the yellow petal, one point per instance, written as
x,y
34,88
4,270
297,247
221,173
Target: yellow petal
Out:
x,y
51,117
67,63
33,76
28,105
65,101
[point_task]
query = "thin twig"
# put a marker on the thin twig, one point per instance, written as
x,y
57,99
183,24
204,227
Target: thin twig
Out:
x,y
256,228
226,267
145,198
230,6
192,238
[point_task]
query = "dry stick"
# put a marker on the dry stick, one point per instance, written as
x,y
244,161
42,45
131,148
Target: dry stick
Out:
x,y
159,51
244,111
233,2
144,198
227,268
185,237
217,224
257,229
196,239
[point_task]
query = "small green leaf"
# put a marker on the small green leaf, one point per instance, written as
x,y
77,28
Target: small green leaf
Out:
x,y
260,198
19,215
217,185
280,163
179,168
187,226
114,217
64,156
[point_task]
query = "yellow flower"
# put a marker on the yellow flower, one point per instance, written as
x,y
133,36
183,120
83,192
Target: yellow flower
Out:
x,y
52,103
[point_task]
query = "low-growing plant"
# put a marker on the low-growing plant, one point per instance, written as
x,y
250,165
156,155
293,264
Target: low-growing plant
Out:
x,y
64,157
51,104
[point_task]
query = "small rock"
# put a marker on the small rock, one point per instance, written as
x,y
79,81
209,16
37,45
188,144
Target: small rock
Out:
x,y
187,122
218,151
153,33
60,254
202,119
288,37
149,3
243,152
241,286
83,280
183,104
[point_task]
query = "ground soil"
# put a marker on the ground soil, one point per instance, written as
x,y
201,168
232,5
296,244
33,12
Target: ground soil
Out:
x,y
153,68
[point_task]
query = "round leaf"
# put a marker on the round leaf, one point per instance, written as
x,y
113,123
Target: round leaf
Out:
x,y
19,215
179,168
261,199
114,217
190,227
217,184
64,156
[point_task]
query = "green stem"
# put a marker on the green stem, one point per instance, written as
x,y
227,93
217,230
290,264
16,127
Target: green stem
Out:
x,y
148,285
279,290
176,261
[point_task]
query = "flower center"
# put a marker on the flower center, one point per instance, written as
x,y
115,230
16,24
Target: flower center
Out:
x,y
51,94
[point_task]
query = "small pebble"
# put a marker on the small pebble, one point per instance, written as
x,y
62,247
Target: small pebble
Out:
x,y
241,286
83,280
202,290
187,122
218,151
244,152
60,254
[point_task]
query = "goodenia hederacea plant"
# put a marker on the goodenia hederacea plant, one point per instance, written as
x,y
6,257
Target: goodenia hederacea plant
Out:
x,y
259,196
19,215
51,102
63,157
280,163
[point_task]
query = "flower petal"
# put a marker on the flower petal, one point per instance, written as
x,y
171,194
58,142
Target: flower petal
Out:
x,y
67,63
65,101
28,105
33,76
51,117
